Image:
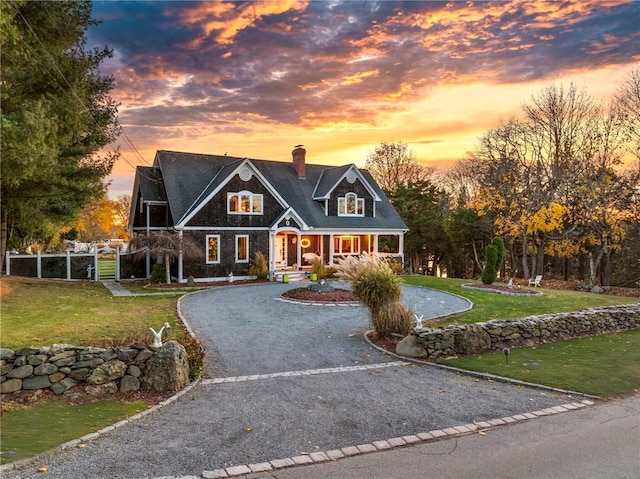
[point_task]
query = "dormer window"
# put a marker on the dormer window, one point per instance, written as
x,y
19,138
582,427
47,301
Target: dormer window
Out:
x,y
350,205
244,203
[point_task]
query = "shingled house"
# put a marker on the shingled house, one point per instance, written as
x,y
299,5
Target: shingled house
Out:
x,y
291,212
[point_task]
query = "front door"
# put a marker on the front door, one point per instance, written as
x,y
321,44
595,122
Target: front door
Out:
x,y
281,251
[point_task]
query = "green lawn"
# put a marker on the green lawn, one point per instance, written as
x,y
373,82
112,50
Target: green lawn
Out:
x,y
81,313
606,365
488,306
34,429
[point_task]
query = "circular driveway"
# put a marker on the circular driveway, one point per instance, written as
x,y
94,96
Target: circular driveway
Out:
x,y
286,379
249,330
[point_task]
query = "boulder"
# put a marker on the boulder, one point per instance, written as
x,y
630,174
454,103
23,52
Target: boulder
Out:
x,y
36,382
64,385
410,348
21,372
102,390
7,353
11,386
45,369
168,369
107,372
129,384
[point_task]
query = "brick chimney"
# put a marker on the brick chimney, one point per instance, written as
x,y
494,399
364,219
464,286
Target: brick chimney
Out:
x,y
298,154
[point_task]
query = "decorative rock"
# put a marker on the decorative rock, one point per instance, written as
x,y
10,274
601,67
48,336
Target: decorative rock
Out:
x,y
21,372
168,369
102,390
36,359
45,369
62,355
143,355
5,367
108,371
11,386
56,377
69,361
129,383
79,374
64,385
36,382
27,351
19,361
410,348
7,353
108,355
126,354
88,363
134,371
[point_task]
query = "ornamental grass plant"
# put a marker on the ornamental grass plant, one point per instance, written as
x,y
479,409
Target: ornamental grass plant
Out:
x,y
379,288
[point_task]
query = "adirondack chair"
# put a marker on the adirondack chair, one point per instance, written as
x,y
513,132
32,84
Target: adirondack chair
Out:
x,y
535,282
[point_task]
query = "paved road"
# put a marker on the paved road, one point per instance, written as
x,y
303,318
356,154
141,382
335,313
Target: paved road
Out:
x,y
597,442
284,379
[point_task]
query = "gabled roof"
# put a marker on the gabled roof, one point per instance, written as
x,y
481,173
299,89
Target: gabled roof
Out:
x,y
331,177
189,179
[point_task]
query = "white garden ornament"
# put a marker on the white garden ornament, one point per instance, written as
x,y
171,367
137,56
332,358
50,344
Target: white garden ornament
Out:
x,y
157,337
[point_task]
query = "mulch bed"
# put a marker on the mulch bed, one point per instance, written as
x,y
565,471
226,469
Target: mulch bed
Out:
x,y
335,296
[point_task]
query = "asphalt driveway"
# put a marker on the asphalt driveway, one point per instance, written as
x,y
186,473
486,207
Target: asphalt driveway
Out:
x,y
284,379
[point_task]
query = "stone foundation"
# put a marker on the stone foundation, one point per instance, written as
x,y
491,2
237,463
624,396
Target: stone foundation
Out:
x,y
456,340
62,366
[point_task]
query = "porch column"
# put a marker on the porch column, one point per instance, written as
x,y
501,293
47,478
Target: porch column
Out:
x,y
180,275
299,250
272,255
331,248
401,247
375,245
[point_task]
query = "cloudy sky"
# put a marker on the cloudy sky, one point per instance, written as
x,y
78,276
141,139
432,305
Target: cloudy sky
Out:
x,y
254,79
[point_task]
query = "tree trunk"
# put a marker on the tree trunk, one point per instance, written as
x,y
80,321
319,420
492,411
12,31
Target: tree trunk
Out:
x,y
4,232
607,269
525,259
167,267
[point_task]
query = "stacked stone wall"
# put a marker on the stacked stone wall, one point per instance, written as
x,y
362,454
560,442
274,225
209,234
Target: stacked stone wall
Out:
x,y
62,367
456,340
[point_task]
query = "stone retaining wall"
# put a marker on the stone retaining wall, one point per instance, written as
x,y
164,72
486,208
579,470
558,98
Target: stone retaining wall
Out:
x,y
62,367
455,340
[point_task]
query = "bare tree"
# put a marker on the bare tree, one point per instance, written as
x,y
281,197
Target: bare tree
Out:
x,y
628,104
394,165
167,244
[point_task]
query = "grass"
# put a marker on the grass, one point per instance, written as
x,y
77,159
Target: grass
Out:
x,y
488,306
40,313
607,365
34,429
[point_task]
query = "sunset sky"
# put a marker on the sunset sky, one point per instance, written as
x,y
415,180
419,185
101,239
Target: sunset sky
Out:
x,y
254,79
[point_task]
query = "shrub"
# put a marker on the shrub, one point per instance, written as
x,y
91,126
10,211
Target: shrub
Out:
x,y
379,288
489,271
158,274
322,270
502,252
259,266
195,355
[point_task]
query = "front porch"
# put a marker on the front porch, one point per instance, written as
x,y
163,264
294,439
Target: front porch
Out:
x,y
294,251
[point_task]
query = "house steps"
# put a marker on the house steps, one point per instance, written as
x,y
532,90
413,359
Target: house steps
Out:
x,y
292,276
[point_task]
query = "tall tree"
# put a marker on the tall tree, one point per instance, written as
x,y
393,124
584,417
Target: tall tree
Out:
x,y
56,114
628,105
394,165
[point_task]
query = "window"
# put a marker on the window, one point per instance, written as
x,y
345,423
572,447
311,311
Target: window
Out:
x,y
213,249
244,203
242,248
350,205
346,245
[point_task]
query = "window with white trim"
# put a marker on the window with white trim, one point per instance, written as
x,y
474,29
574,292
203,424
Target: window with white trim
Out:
x,y
350,205
244,203
346,244
242,248
213,249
